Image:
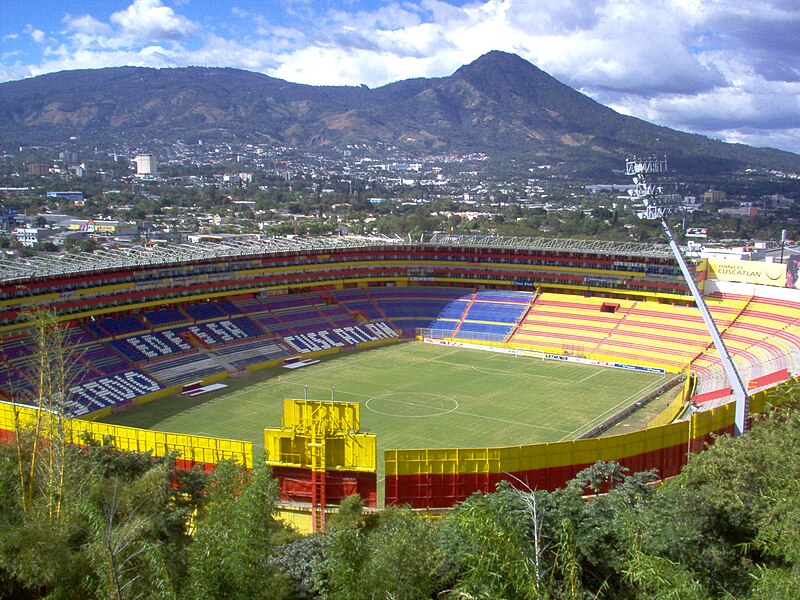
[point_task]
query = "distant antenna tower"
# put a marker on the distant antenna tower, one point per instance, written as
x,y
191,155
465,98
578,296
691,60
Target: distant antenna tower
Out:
x,y
658,194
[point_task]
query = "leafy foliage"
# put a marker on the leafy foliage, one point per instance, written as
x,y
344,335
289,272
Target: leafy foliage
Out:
x,y
235,536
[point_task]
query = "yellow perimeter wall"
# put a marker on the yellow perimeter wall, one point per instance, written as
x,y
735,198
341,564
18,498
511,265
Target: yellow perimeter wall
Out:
x,y
437,478
191,449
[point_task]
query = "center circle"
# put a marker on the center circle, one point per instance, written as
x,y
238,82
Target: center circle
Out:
x,y
411,405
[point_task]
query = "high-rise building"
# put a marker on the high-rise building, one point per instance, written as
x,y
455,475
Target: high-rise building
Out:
x,y
146,164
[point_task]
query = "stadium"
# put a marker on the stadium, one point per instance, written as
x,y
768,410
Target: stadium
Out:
x,y
155,331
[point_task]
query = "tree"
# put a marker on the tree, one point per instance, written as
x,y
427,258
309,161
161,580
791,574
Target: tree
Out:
x,y
236,533
302,562
391,554
487,550
402,563
734,506
41,439
77,243
346,551
123,547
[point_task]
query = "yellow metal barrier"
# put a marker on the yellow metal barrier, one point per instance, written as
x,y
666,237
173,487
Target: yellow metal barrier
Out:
x,y
190,448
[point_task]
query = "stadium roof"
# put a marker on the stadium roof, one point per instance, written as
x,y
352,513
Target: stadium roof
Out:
x,y
48,265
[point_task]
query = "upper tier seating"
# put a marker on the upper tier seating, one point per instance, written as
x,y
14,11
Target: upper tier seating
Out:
x,y
205,311
166,317
123,325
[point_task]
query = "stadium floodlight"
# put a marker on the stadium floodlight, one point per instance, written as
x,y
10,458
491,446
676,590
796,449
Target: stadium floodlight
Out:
x,y
657,193
652,186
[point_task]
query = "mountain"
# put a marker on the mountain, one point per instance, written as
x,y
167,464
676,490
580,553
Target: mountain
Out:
x,y
499,104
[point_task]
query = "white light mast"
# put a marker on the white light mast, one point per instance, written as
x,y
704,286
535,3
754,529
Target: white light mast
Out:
x,y
658,194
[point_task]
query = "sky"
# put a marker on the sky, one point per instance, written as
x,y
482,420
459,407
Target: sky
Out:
x,y
728,69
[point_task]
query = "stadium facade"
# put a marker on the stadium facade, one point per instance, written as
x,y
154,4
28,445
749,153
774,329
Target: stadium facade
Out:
x,y
152,322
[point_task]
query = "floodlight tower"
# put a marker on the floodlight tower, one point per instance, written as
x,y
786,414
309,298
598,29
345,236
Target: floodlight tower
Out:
x,y
657,193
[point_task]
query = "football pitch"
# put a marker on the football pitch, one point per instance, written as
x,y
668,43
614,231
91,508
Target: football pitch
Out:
x,y
414,395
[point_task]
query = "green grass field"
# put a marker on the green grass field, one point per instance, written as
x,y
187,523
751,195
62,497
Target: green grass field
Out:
x,y
414,395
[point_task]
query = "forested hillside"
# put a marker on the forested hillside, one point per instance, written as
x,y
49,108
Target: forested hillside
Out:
x,y
500,105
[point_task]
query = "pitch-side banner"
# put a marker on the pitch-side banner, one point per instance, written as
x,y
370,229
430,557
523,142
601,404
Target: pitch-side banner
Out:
x,y
746,271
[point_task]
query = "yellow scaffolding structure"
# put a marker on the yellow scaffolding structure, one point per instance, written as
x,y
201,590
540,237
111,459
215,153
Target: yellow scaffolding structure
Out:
x,y
320,436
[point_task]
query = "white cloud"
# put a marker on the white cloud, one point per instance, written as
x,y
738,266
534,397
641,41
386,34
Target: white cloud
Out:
x,y
149,56
785,139
151,20
38,36
86,24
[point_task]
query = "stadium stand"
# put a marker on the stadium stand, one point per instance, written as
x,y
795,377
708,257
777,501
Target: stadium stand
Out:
x,y
249,306
363,307
440,327
228,307
75,335
201,312
559,322
497,312
340,337
205,311
673,335
470,329
15,348
337,315
246,354
102,359
184,369
103,392
284,304
124,325
166,317
614,302
96,330
273,324
148,346
225,331
411,308
305,320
